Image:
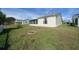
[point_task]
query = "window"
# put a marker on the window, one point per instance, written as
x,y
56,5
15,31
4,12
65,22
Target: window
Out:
x,y
45,21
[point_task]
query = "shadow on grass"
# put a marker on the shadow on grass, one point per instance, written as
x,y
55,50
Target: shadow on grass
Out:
x,y
7,31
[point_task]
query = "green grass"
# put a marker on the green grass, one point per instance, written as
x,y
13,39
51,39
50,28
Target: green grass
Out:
x,y
62,37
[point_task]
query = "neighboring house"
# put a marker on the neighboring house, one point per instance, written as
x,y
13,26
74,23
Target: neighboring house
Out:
x,y
33,21
20,22
53,20
75,19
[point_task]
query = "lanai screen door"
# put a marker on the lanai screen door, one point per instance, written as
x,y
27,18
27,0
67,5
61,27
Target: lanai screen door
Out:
x,y
76,21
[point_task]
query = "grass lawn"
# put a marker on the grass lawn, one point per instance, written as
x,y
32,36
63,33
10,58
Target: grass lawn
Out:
x,y
35,38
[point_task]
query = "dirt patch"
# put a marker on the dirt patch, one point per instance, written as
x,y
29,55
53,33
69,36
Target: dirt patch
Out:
x,y
31,32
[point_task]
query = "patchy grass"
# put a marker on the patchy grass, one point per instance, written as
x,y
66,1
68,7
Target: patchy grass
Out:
x,y
35,38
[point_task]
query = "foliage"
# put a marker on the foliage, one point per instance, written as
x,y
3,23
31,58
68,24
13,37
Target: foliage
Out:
x,y
6,20
10,20
2,17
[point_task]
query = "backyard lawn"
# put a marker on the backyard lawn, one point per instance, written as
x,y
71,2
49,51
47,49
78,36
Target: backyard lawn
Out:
x,y
27,37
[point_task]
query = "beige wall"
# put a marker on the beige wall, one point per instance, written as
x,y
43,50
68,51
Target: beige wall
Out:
x,y
59,20
40,21
52,21
23,22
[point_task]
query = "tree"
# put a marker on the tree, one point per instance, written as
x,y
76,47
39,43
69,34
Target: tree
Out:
x,y
2,18
6,20
10,20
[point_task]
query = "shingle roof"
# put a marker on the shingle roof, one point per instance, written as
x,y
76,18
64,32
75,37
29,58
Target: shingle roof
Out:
x,y
75,16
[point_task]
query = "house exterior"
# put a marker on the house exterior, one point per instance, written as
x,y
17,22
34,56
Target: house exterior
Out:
x,y
53,20
33,21
20,22
75,19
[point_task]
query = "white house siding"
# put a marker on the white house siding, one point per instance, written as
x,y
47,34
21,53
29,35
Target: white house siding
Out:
x,y
23,22
59,20
51,21
1,28
40,21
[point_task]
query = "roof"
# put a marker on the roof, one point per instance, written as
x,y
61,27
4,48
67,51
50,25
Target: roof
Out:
x,y
32,19
75,16
55,14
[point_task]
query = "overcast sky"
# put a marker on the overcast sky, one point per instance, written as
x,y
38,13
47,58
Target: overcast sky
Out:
x,y
31,13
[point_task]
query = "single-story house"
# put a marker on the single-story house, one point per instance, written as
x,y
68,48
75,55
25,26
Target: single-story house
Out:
x,y
20,22
53,20
33,21
75,19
